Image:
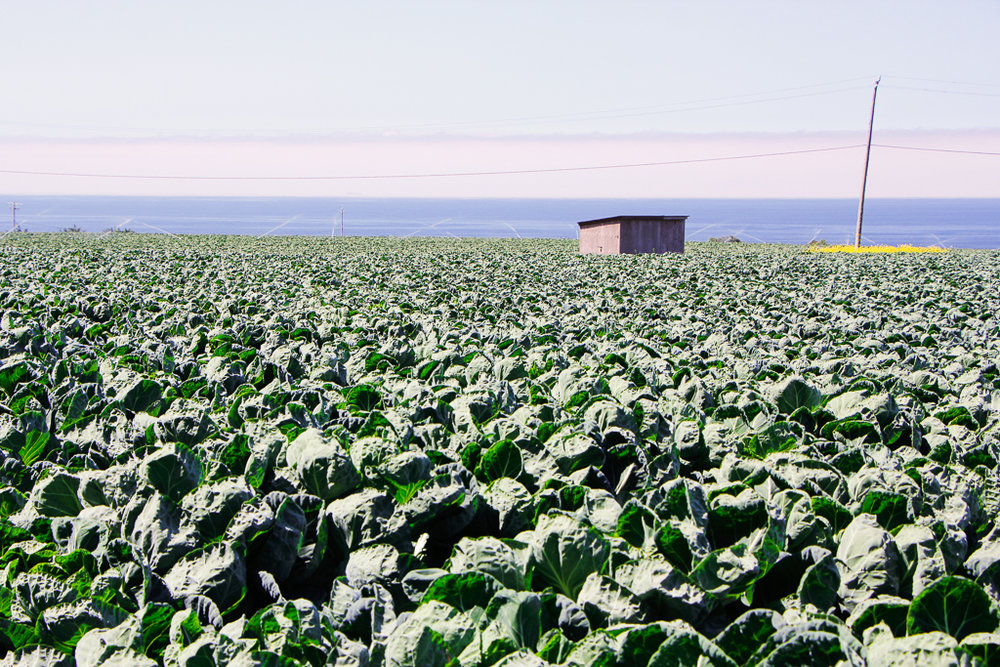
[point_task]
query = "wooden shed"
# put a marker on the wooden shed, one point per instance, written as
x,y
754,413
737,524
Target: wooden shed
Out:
x,y
632,234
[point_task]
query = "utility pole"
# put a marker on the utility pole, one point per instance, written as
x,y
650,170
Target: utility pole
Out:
x,y
864,180
13,215
341,222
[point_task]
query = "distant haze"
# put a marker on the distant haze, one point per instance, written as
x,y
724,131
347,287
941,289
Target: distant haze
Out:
x,y
412,167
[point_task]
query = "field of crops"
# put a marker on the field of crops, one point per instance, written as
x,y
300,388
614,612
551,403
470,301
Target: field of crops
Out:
x,y
220,450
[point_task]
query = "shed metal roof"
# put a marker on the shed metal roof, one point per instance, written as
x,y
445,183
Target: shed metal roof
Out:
x,y
633,218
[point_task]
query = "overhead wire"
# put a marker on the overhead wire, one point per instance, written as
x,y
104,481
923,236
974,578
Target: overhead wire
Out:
x,y
497,172
703,104
733,100
936,150
944,81
973,93
650,110
626,112
500,172
707,107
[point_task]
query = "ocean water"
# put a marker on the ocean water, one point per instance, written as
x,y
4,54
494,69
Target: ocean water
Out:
x,y
958,223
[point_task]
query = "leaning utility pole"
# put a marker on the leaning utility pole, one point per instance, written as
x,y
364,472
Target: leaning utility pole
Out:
x,y
864,180
13,215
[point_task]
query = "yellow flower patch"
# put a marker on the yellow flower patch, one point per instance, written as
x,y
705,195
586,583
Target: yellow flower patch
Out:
x,y
875,248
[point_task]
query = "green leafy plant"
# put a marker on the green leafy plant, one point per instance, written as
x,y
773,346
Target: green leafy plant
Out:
x,y
227,450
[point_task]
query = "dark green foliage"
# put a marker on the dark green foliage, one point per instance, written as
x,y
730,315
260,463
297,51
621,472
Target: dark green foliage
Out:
x,y
433,452
838,515
796,395
953,605
463,591
808,649
891,509
674,546
501,460
635,524
744,636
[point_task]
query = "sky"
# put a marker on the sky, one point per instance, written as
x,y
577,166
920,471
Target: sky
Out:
x,y
553,98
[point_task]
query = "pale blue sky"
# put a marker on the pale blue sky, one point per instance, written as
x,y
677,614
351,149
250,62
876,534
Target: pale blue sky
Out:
x,y
433,76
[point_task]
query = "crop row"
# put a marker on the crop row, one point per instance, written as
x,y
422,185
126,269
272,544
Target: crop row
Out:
x,y
426,452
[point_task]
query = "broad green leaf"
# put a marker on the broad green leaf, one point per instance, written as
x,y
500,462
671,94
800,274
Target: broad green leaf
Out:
x,y
606,602
937,647
155,628
674,545
564,553
363,398
63,625
838,515
518,615
57,495
809,647
143,395
463,591
794,394
886,609
982,646
954,605
555,648
845,405
279,550
636,524
212,505
174,471
489,556
733,517
682,648
433,636
501,460
217,572
852,430
35,443
236,453
820,583
778,437
641,643
726,572
890,509
871,562
323,466
744,636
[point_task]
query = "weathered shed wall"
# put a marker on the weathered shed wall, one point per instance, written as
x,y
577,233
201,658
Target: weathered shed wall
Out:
x,y
602,239
639,236
633,234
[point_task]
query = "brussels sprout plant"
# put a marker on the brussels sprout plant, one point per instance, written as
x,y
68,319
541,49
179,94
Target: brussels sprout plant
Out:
x,y
221,450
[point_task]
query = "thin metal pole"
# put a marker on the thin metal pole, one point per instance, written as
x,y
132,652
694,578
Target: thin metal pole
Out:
x,y
341,222
13,215
864,180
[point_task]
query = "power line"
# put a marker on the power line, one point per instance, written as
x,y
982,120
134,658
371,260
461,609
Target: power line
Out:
x,y
703,104
936,150
722,105
654,110
430,175
504,172
692,105
946,81
946,92
627,112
